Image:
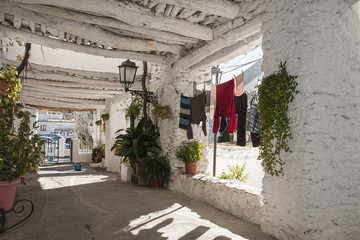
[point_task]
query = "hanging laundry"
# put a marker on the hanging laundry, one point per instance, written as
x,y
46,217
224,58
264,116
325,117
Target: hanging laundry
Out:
x,y
239,85
254,123
241,109
197,113
225,105
223,124
184,111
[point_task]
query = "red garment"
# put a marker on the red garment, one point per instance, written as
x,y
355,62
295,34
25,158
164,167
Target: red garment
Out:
x,y
225,105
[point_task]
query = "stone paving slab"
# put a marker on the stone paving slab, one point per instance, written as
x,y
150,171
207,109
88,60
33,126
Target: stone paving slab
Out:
x,y
93,205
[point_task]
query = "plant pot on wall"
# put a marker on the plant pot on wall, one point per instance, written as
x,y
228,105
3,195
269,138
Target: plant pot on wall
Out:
x,y
98,122
8,192
190,167
105,116
4,87
190,153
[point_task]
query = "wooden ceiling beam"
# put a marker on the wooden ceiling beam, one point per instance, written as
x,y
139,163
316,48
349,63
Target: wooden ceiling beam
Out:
x,y
99,85
61,109
91,32
41,91
157,35
56,89
55,43
223,8
131,14
230,38
59,104
64,99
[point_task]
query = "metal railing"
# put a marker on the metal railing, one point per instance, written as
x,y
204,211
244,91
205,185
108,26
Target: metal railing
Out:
x,y
85,147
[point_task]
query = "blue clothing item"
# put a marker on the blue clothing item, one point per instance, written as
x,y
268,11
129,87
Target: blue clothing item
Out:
x,y
184,111
254,117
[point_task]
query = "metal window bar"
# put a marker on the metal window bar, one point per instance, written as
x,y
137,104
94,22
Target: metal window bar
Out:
x,y
85,147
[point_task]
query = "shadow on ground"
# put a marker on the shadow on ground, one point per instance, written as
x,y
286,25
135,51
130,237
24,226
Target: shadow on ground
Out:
x,y
94,204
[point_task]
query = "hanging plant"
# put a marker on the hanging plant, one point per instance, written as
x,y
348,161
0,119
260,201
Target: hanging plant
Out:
x,y
98,122
105,116
275,93
134,109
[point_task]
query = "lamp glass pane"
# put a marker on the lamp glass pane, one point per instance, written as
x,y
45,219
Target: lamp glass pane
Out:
x,y
130,74
122,74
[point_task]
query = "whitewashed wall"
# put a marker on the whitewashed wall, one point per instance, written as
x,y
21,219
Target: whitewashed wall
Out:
x,y
116,109
235,198
319,196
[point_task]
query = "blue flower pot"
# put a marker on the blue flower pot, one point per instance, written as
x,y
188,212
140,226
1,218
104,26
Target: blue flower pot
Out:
x,y
77,166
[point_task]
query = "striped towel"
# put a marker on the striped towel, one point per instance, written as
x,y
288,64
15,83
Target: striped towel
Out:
x,y
184,111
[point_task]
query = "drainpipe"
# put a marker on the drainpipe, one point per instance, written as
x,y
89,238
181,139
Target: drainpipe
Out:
x,y
215,135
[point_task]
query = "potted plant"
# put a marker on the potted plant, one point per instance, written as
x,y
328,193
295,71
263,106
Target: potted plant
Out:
x,y
98,152
105,116
98,122
137,142
134,109
190,152
155,170
160,111
20,149
4,87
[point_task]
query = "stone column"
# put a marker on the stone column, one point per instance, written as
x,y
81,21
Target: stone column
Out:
x,y
319,195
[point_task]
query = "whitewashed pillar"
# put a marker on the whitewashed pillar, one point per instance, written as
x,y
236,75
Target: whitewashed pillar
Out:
x,y
318,198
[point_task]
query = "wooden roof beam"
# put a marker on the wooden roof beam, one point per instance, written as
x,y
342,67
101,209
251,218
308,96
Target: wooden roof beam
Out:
x,y
230,38
131,14
91,32
223,8
54,43
160,36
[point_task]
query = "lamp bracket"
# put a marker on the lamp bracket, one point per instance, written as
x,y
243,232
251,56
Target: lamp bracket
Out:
x,y
147,96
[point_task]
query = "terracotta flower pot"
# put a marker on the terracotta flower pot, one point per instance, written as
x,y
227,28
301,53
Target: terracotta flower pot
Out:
x,y
4,87
153,183
7,193
190,168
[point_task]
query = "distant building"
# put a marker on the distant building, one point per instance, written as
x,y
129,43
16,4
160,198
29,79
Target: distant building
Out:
x,y
55,123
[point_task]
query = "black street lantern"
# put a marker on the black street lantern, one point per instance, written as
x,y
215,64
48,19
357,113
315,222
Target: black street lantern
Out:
x,y
127,71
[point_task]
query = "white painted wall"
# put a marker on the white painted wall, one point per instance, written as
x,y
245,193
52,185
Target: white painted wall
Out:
x,y
318,197
116,109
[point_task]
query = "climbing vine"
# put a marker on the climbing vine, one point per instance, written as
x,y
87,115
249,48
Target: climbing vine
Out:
x,y
275,93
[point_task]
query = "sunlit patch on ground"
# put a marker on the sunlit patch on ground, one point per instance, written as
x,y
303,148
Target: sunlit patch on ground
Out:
x,y
176,220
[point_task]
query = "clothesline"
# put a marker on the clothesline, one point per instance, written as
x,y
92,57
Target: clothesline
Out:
x,y
239,66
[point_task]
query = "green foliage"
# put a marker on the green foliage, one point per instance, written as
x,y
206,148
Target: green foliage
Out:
x,y
105,116
160,111
137,142
235,173
275,93
135,107
190,151
10,75
19,150
155,168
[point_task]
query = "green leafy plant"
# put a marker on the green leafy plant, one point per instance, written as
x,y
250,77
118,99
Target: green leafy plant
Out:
x,y
160,111
105,116
235,173
134,109
275,93
20,149
137,142
155,168
190,151
98,122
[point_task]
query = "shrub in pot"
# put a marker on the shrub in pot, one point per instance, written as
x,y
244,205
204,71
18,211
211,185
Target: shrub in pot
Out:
x,y
155,170
190,152
137,142
20,149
